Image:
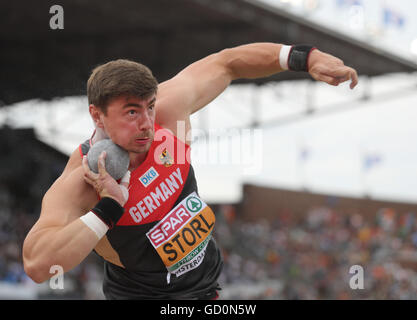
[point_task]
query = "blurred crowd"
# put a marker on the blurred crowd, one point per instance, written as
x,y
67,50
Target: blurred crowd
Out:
x,y
312,257
83,282
322,255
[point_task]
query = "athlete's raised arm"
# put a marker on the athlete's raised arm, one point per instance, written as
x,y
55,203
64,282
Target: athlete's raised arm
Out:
x,y
201,82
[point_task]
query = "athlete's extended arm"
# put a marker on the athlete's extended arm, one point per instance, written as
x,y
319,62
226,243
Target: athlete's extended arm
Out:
x,y
201,82
60,237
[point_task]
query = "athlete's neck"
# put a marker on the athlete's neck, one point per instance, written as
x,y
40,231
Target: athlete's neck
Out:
x,y
136,159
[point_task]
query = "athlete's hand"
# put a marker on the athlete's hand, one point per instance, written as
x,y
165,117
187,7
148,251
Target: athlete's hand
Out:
x,y
104,184
327,68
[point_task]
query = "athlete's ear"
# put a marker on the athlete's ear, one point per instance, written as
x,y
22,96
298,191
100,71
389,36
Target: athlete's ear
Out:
x,y
96,115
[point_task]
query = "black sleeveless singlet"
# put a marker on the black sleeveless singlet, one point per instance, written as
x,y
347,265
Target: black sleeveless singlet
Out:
x,y
159,184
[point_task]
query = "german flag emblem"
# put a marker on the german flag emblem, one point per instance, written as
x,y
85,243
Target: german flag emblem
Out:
x,y
166,158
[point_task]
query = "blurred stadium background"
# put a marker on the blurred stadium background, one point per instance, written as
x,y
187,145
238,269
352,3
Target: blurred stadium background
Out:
x,y
334,183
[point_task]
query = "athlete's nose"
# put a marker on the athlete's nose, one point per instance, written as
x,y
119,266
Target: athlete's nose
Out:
x,y
145,122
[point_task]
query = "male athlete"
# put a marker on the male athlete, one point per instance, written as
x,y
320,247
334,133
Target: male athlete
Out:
x,y
156,239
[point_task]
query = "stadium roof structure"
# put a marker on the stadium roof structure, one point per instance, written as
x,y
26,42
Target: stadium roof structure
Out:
x,y
166,35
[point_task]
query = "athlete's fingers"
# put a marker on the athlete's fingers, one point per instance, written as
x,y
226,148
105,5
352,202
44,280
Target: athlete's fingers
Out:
x,y
89,181
85,164
87,171
338,72
328,79
101,163
126,179
343,74
124,184
354,78
343,78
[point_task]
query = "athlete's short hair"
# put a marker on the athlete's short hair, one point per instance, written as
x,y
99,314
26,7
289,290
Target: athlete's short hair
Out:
x,y
117,78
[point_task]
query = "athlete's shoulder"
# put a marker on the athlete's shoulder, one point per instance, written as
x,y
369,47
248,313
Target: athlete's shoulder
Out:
x,y
74,161
71,185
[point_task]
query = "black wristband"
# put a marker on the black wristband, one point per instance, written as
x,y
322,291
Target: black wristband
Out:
x,y
298,57
109,211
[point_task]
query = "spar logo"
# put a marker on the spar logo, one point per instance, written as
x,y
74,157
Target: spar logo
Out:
x,y
182,236
149,176
169,225
194,204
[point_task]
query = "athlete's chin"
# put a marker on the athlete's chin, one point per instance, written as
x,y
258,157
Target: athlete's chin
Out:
x,y
140,148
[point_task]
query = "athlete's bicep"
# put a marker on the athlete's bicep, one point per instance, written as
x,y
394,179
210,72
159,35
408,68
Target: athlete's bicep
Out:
x,y
192,88
66,200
